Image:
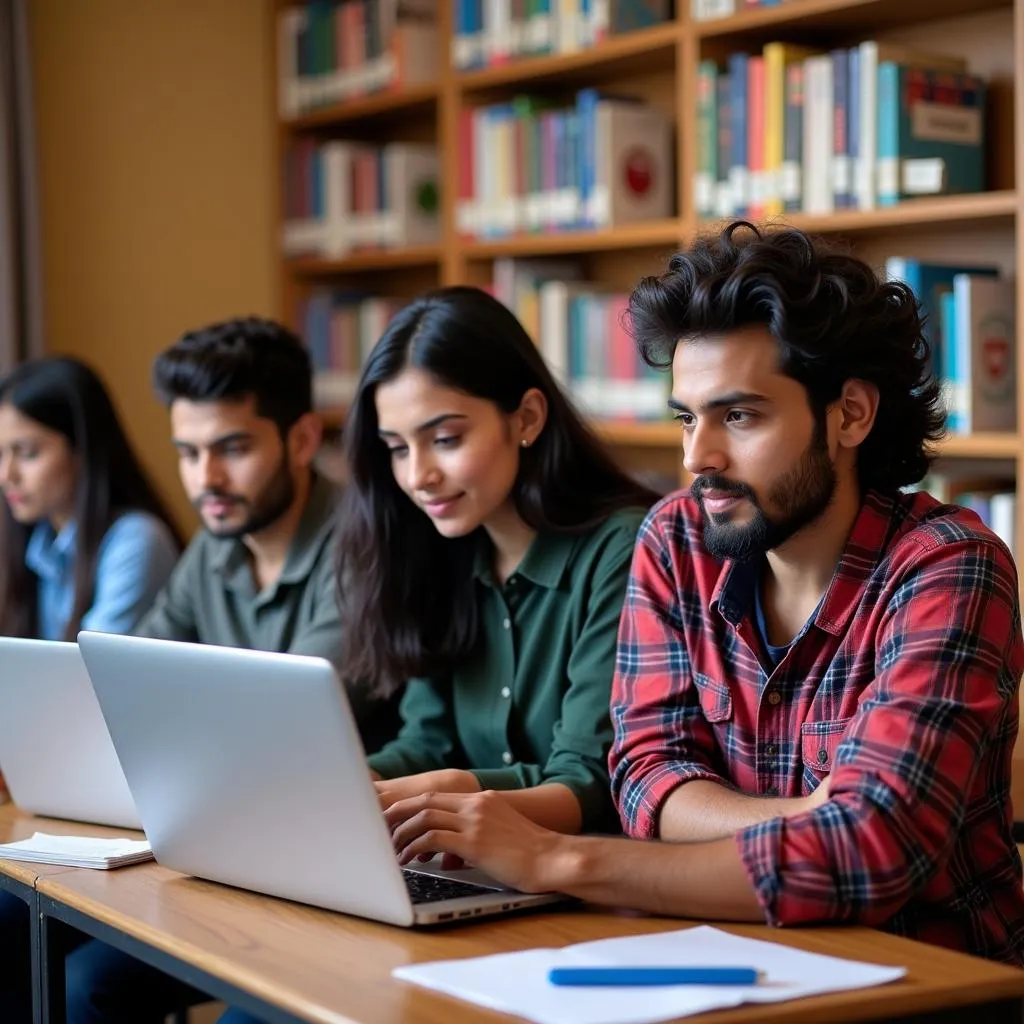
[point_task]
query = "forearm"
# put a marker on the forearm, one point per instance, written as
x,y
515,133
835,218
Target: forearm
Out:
x,y
699,880
552,806
702,811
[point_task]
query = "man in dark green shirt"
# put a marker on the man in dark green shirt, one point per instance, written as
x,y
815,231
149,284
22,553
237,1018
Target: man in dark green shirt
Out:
x,y
260,574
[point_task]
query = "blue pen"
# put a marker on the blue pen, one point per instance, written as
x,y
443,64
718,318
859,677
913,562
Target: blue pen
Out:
x,y
653,976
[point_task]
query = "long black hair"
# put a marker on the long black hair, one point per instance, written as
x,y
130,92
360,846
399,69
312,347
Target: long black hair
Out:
x,y
406,592
832,318
66,396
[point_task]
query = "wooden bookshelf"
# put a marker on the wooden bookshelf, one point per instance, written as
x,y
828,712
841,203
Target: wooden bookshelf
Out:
x,y
414,100
652,234
621,55
660,65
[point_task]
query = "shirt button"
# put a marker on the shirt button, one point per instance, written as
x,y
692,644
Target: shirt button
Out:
x,y
507,757
513,580
506,692
774,697
506,623
771,750
822,756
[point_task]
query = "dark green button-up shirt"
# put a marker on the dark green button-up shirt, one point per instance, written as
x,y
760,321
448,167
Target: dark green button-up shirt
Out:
x,y
531,705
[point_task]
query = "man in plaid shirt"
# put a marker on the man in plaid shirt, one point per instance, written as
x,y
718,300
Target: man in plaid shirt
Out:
x,y
815,701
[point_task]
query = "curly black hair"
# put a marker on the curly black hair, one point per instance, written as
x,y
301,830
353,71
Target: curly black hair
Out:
x,y
833,319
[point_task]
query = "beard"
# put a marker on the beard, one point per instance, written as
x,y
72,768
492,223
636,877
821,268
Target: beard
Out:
x,y
800,496
262,511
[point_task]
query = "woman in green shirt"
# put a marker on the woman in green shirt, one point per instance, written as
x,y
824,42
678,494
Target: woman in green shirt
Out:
x,y
485,544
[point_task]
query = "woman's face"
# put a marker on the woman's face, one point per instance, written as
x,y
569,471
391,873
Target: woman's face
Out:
x,y
456,456
38,471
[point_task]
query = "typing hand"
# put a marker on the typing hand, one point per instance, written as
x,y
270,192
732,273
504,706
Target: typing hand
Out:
x,y
447,780
479,828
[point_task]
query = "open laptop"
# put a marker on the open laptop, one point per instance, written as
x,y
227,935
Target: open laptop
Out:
x,y
247,768
55,751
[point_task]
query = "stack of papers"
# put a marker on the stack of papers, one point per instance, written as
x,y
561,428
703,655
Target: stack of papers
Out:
x,y
78,851
518,983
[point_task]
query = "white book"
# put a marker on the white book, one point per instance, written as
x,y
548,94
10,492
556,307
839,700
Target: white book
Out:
x,y
633,165
818,134
985,391
412,185
289,24
1004,519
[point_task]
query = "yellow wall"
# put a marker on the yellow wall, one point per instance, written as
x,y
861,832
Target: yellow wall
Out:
x,y
154,125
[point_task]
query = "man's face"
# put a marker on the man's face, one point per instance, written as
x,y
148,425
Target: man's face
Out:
x,y
233,465
761,464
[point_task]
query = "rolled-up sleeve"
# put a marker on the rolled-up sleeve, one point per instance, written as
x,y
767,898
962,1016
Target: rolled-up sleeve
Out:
x,y
948,662
662,738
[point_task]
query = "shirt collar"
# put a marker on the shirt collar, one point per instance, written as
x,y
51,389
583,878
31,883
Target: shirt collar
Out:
x,y
544,563
231,557
869,539
48,552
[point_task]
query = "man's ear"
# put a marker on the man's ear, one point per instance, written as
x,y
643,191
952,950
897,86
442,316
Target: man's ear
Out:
x,y
854,413
304,439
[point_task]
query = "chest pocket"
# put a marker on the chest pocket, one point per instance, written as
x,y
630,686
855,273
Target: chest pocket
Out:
x,y
715,698
819,742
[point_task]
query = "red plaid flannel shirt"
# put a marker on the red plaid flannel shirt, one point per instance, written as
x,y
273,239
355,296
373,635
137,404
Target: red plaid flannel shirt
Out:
x,y
902,687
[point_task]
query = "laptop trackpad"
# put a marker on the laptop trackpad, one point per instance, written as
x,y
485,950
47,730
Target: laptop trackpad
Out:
x,y
472,876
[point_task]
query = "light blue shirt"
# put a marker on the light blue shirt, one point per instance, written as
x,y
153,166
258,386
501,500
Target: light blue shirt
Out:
x,y
135,559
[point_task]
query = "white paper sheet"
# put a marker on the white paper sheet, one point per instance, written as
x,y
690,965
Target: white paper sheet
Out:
x,y
77,851
517,982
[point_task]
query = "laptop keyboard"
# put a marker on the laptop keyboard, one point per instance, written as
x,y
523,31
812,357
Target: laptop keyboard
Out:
x,y
430,889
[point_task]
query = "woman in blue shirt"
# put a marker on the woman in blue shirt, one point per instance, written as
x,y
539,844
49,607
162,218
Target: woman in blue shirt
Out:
x,y
85,543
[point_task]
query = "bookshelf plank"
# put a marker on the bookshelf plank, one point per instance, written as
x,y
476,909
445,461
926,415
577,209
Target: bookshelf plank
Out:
x,y
981,446
413,100
366,260
939,212
644,50
823,16
667,233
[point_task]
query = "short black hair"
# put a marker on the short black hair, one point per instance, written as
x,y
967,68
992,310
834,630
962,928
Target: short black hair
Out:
x,y
833,319
234,359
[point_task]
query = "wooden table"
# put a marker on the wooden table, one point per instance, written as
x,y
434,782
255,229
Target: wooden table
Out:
x,y
286,962
20,878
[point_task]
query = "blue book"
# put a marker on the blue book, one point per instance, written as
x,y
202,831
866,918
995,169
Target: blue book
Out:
x,y
929,281
739,165
930,132
951,369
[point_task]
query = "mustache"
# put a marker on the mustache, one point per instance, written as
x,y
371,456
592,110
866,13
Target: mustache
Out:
x,y
720,483
218,496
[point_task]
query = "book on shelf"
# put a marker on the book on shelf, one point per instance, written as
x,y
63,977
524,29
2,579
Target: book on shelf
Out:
x,y
793,129
340,329
343,196
530,166
490,33
712,10
330,51
969,321
580,328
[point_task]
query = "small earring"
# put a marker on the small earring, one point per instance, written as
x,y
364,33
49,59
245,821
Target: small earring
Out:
x,y
525,443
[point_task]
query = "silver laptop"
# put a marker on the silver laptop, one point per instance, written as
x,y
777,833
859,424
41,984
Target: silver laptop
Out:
x,y
247,768
55,751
